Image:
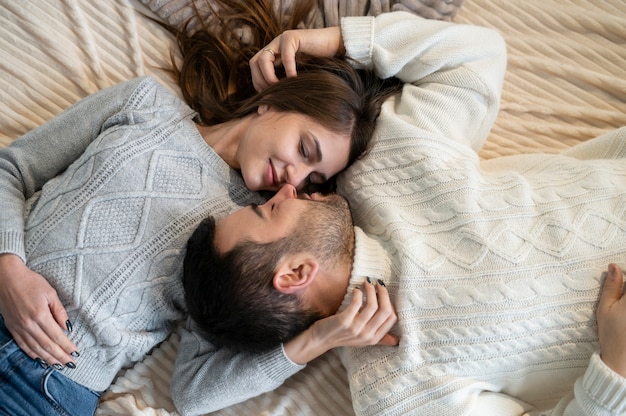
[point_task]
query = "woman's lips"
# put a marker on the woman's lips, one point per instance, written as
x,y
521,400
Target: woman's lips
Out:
x,y
272,178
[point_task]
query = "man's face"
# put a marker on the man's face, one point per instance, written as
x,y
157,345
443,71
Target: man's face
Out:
x,y
277,218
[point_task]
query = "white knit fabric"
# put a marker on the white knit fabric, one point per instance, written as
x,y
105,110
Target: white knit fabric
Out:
x,y
495,276
494,267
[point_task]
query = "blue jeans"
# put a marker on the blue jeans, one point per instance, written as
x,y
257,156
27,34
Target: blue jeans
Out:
x,y
28,389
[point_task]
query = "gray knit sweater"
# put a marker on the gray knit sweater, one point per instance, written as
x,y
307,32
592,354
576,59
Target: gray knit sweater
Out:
x,y
114,187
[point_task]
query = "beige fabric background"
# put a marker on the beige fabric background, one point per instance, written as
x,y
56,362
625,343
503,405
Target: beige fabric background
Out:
x,y
565,83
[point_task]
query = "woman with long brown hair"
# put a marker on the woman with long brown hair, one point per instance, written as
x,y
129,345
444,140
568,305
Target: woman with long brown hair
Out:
x,y
336,102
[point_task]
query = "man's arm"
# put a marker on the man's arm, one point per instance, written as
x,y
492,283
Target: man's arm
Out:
x,y
602,389
206,378
453,74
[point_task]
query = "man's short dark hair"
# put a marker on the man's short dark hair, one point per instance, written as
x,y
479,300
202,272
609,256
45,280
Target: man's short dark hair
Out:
x,y
231,296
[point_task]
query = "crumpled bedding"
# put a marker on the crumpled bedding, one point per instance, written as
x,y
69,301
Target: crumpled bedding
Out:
x,y
565,83
327,13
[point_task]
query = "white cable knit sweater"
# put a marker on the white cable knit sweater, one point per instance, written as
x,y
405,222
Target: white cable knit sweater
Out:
x,y
494,267
451,70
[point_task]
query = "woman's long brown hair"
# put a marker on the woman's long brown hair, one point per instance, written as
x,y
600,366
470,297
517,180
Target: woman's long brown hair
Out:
x,y
215,78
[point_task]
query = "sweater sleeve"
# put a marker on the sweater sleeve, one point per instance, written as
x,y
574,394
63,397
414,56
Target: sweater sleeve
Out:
x,y
453,72
206,378
43,153
600,391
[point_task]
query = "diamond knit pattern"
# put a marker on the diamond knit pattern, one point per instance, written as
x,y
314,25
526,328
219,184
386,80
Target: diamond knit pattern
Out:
x,y
110,232
113,222
177,174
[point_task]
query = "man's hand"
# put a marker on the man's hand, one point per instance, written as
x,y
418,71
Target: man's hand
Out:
x,y
611,316
33,313
324,42
359,325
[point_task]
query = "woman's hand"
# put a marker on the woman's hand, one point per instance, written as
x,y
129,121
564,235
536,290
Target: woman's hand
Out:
x,y
33,313
359,325
611,316
324,42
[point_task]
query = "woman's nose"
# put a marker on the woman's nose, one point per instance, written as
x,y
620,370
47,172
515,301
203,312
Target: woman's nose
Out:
x,y
296,175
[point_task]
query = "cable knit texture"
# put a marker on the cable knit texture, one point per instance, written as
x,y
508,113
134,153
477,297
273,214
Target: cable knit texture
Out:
x,y
109,233
495,267
495,274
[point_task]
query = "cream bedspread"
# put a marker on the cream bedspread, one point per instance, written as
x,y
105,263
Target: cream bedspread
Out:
x,y
565,83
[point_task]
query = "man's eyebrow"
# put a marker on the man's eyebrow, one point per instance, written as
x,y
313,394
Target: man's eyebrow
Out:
x,y
257,210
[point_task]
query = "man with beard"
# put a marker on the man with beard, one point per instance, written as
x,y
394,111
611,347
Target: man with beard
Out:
x,y
473,338
494,267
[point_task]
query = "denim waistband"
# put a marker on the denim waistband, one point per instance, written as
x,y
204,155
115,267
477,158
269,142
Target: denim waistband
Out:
x,y
5,335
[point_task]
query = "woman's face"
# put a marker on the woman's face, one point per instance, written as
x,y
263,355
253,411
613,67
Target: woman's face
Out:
x,y
280,148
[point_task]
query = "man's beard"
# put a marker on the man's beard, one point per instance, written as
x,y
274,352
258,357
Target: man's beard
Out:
x,y
328,226
338,204
333,201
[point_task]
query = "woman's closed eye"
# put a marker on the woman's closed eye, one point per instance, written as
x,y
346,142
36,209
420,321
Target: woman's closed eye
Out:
x,y
315,178
312,156
303,150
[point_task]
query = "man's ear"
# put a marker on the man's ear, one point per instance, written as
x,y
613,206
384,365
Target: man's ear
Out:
x,y
295,273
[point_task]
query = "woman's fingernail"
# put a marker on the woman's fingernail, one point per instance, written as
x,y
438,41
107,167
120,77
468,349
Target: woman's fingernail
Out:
x,y
68,325
42,363
70,365
380,282
75,354
57,366
369,280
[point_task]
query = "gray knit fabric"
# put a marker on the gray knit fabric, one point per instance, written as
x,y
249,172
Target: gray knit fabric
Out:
x,y
328,12
109,232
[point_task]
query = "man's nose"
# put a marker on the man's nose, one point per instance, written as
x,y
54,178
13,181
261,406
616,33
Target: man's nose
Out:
x,y
288,191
